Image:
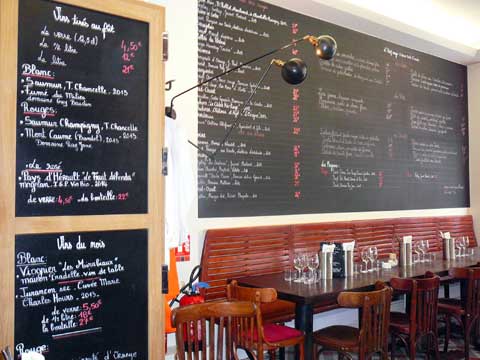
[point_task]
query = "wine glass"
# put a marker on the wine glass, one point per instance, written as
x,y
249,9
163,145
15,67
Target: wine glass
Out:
x,y
423,247
373,255
418,250
458,245
464,245
426,248
312,265
298,265
365,257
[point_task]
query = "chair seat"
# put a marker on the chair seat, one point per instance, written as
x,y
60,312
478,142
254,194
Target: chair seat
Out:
x,y
399,322
274,333
278,311
277,333
450,306
337,337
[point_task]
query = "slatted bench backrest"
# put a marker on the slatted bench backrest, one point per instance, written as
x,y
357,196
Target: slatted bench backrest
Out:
x,y
237,252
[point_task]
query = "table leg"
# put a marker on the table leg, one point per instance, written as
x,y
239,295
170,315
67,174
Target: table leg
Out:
x,y
304,322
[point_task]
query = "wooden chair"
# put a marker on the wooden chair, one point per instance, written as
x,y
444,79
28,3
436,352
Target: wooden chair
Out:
x,y
465,310
270,336
420,318
371,336
234,319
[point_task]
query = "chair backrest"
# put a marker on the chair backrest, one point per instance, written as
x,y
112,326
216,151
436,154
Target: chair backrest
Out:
x,y
422,302
470,289
256,295
374,318
197,338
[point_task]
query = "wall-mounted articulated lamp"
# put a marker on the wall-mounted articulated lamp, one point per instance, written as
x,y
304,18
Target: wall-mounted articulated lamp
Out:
x,y
294,71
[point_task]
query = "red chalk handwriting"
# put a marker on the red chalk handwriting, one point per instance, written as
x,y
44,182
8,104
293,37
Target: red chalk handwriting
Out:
x,y
86,314
122,196
129,52
296,151
380,179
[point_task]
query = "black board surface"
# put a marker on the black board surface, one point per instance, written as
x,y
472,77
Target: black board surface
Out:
x,y
82,295
82,107
379,127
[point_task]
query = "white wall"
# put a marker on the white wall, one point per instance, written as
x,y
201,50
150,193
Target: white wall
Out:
x,y
182,66
474,131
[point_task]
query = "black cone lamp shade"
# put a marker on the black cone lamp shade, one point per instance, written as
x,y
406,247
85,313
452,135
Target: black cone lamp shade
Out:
x,y
294,71
326,47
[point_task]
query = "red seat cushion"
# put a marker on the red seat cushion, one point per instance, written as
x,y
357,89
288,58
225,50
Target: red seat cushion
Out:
x,y
278,311
337,337
399,322
450,306
276,333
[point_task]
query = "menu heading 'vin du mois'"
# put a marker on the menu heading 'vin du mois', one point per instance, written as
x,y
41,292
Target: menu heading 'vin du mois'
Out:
x,y
82,295
378,127
82,112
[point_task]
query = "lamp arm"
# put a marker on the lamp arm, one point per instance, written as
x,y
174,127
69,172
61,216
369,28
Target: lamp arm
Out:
x,y
306,37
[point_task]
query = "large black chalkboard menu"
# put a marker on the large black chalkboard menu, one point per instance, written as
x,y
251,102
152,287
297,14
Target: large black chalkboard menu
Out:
x,y
81,112
379,127
82,295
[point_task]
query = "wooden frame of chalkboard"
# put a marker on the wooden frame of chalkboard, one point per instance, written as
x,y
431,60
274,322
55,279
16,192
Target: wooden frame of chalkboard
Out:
x,y
152,220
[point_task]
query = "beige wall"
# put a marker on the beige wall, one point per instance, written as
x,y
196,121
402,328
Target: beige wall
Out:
x,y
474,135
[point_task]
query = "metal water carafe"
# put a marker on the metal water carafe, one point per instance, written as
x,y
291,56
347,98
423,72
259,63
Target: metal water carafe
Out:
x,y
406,251
326,261
348,249
447,241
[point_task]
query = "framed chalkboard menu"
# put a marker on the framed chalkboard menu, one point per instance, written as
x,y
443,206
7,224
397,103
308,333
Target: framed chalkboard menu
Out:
x,y
379,127
81,137
82,295
82,106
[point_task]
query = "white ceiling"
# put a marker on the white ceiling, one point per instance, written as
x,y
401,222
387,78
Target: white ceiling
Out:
x,y
446,28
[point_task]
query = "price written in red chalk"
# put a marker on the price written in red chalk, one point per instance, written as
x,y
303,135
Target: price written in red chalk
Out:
x,y
86,314
122,196
129,52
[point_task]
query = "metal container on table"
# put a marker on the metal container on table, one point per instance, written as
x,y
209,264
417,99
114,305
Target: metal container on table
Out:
x,y
348,249
406,251
447,243
452,249
326,261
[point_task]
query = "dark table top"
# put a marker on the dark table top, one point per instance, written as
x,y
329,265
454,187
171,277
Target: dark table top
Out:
x,y
326,291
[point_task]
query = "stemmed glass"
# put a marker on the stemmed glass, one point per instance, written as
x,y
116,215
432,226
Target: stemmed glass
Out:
x,y
418,250
364,254
298,264
312,264
372,255
464,245
458,245
423,248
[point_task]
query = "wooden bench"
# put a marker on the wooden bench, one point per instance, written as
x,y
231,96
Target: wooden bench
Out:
x,y
237,252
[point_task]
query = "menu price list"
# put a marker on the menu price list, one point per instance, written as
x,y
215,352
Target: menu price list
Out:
x,y
378,127
82,295
82,108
